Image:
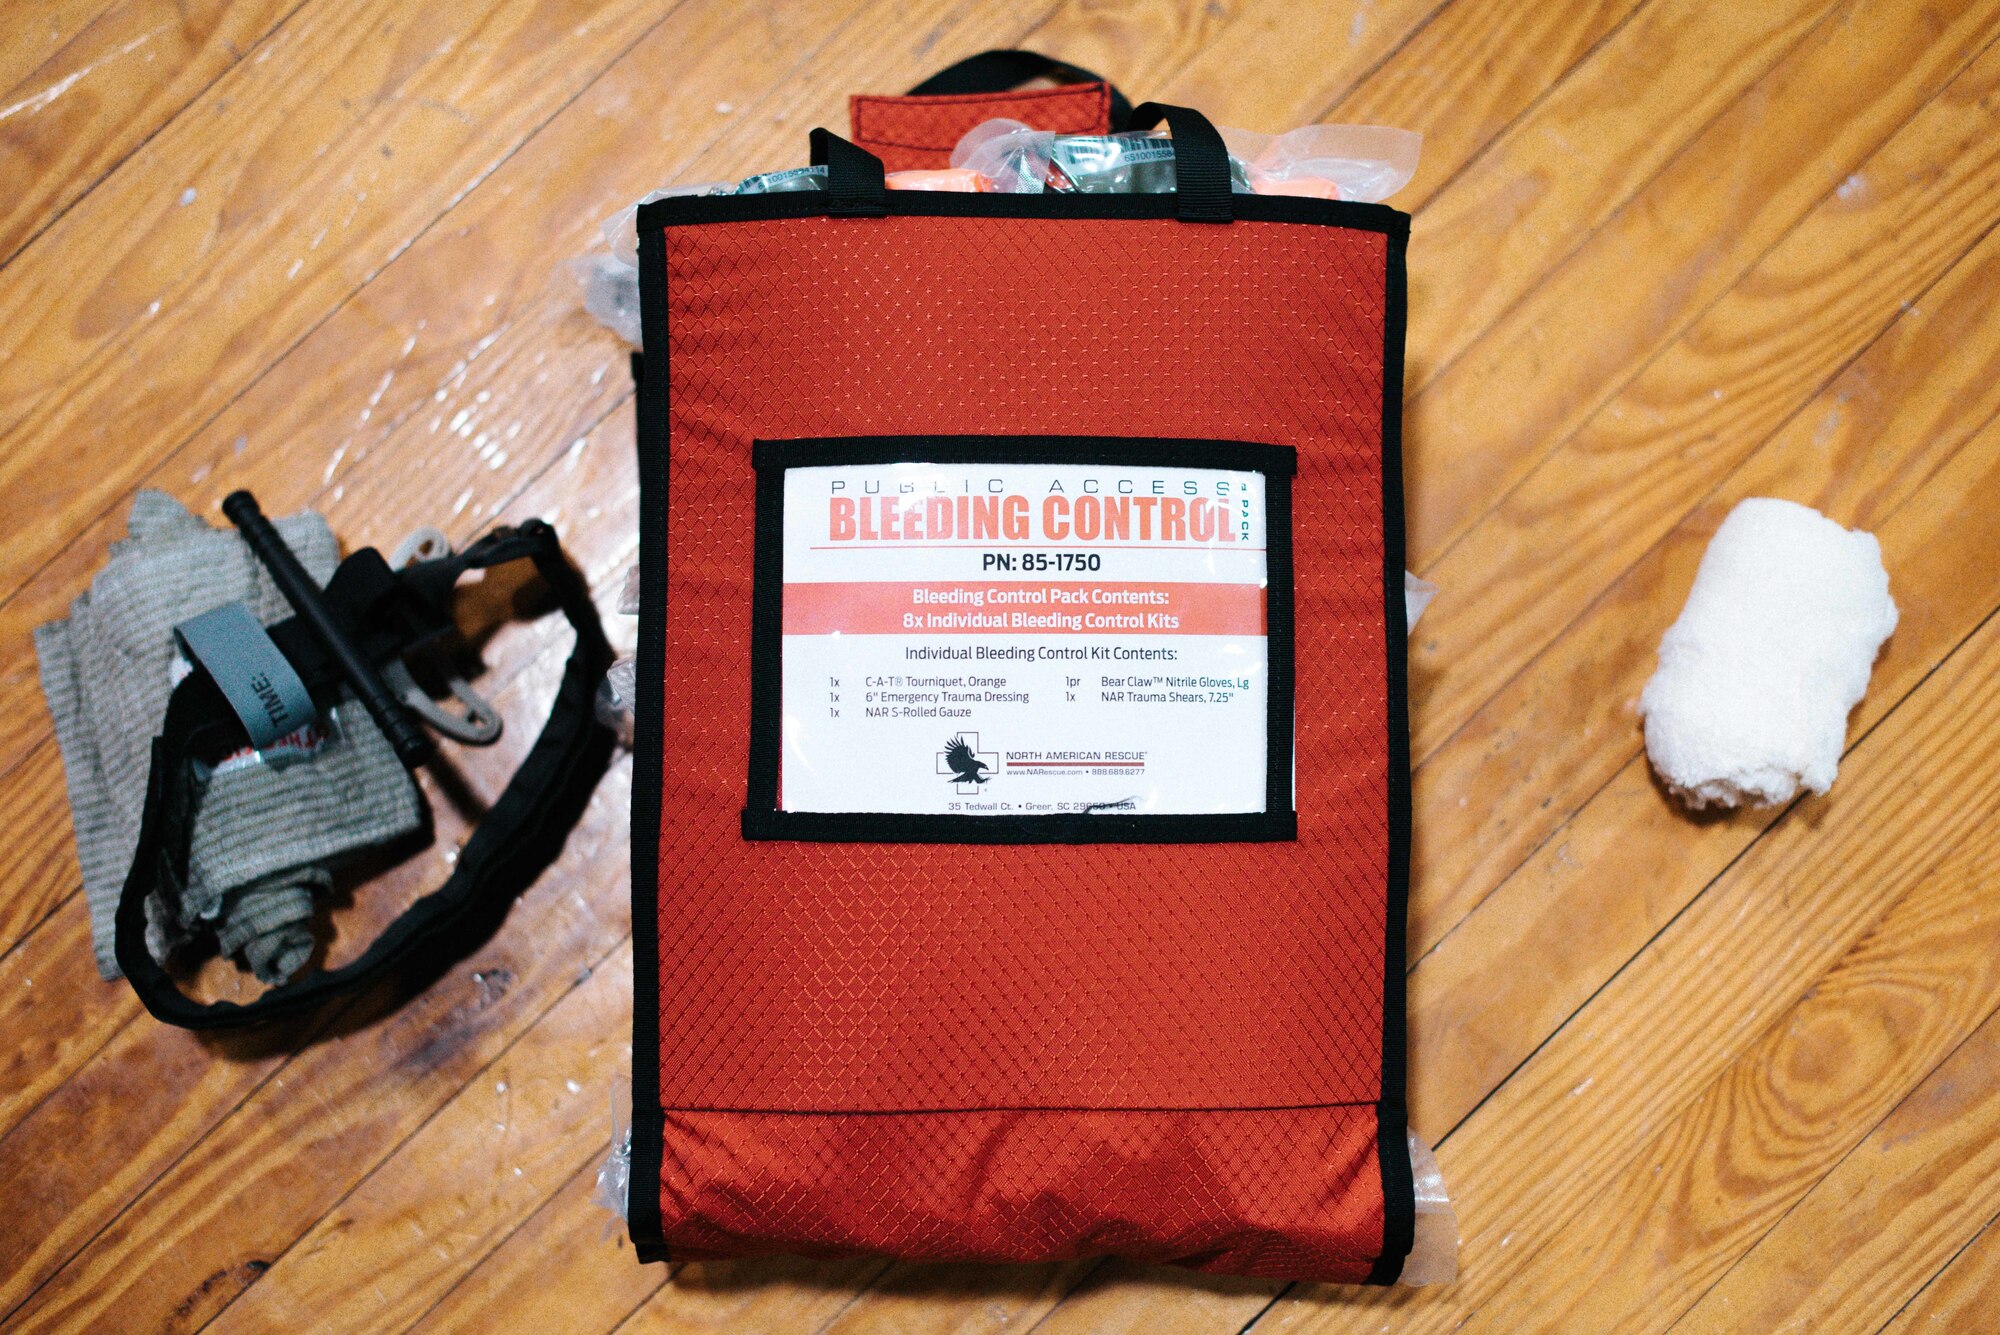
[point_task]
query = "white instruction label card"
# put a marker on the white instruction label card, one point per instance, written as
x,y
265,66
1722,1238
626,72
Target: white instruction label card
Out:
x,y
1024,639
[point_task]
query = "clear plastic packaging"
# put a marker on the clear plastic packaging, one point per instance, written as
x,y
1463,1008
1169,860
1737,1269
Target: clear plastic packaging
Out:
x,y
616,702
1020,161
1361,163
610,292
1433,1257
783,182
610,278
617,694
1417,595
614,1178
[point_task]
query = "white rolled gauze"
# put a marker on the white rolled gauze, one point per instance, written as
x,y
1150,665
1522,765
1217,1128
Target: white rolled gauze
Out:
x,y
1750,701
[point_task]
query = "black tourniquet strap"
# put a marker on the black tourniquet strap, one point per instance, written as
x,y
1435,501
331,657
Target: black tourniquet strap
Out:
x,y
387,614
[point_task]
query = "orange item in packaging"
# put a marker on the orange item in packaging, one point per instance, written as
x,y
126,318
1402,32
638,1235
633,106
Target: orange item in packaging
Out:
x,y
959,180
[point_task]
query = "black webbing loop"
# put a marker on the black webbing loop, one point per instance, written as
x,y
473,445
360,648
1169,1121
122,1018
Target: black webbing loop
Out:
x,y
521,832
1201,161
854,177
999,71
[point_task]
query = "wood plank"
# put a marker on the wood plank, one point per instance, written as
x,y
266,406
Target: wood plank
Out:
x,y
35,40
1580,1109
1592,510
1468,74
1145,45
207,295
285,1154
1967,1289
1816,1083
1142,1300
59,1010
1868,451
457,399
1274,66
1593,142
1502,388
773,1293
289,1103
106,91
616,532
1885,1219
522,1126
509,1288
959,1298
39,870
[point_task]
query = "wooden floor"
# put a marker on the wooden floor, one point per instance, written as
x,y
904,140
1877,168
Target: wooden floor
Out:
x,y
1736,1073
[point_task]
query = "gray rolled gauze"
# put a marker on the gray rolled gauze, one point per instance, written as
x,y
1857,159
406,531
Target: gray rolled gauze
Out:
x,y
1774,647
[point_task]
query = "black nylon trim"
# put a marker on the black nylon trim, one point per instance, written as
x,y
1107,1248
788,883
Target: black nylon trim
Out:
x,y
889,827
761,819
690,210
1398,1198
1245,1109
643,1218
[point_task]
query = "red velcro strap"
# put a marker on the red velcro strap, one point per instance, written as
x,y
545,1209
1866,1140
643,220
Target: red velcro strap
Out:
x,y
919,132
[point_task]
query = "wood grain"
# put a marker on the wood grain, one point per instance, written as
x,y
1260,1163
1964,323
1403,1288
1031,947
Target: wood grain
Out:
x,y
1492,407
580,469
1884,1219
37,39
601,1284
208,293
1692,415
460,399
527,1122
1719,1176
109,88
1766,930
1964,1292
1624,206
1902,443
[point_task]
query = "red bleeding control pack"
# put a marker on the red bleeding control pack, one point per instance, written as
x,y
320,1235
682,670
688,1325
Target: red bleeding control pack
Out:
x,y
1021,823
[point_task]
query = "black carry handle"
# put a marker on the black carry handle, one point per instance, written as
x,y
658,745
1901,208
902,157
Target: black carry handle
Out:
x,y
856,185
1201,161
854,176
521,832
1000,71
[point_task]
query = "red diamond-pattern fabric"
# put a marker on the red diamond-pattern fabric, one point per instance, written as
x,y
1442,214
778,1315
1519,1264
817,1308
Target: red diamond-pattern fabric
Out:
x,y
921,131
1025,1052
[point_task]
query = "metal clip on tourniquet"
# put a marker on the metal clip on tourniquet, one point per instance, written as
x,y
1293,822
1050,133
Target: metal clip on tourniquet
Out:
x,y
359,633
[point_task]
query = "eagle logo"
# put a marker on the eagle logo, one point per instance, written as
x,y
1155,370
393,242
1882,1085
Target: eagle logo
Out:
x,y
965,766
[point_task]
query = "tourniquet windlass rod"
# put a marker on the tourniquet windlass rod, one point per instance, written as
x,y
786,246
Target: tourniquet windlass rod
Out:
x,y
412,744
